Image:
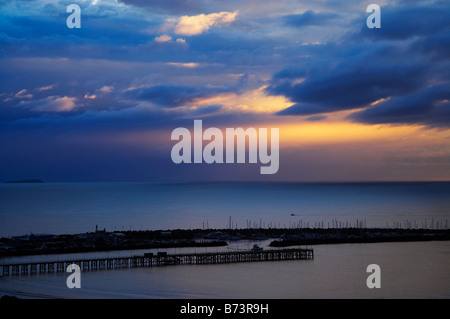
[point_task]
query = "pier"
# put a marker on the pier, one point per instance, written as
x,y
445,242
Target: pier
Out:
x,y
159,259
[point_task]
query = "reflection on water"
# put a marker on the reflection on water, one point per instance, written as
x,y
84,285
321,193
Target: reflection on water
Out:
x,y
408,270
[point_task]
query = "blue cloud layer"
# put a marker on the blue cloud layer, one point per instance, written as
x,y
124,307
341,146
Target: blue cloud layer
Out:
x,y
113,77
310,18
406,56
429,106
400,61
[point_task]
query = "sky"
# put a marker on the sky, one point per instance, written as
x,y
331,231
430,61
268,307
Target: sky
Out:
x,y
99,103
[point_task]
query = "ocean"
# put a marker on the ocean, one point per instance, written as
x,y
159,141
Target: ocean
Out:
x,y
408,270
59,208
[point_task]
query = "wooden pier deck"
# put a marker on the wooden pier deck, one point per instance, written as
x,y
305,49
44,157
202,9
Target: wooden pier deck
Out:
x,y
160,259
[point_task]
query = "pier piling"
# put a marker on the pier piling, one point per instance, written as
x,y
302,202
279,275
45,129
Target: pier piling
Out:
x,y
159,260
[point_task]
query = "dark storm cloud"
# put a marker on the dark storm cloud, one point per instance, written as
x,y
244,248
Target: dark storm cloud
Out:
x,y
316,118
429,106
206,110
112,38
309,18
401,61
169,96
349,85
436,45
169,6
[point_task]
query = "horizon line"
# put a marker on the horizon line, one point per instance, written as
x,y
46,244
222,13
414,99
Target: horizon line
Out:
x,y
229,181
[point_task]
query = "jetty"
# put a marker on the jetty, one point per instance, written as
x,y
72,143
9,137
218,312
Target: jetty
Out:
x,y
159,259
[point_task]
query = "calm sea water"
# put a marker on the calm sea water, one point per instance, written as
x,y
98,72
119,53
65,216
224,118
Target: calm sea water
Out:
x,y
409,270
78,207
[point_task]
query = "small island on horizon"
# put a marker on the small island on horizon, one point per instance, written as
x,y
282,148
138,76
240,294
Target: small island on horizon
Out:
x,y
29,180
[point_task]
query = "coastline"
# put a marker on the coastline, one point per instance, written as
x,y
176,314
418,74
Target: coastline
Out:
x,y
102,241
